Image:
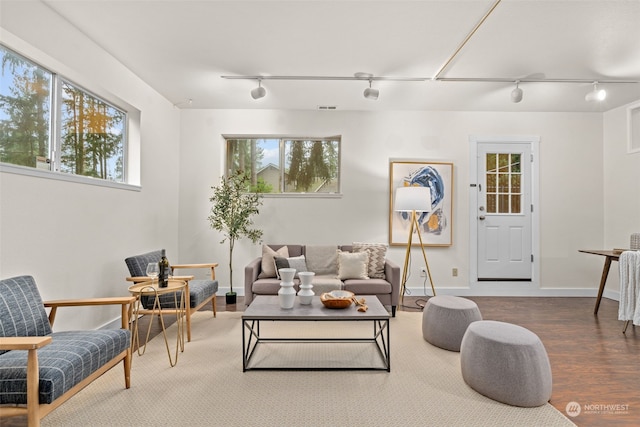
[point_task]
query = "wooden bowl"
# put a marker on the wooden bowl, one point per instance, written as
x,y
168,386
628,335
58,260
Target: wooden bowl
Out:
x,y
337,299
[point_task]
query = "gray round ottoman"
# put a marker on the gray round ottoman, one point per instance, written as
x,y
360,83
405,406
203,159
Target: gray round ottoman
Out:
x,y
507,363
445,320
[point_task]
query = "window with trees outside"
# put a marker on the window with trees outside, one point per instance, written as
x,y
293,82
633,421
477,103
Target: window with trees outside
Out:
x,y
47,122
287,165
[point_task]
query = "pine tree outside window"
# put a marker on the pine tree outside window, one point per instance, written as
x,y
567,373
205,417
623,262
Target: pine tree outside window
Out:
x,y
309,166
47,122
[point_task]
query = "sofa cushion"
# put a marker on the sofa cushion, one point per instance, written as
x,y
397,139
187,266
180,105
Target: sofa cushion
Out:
x,y
71,357
298,263
269,286
325,283
322,259
353,265
377,257
268,268
367,286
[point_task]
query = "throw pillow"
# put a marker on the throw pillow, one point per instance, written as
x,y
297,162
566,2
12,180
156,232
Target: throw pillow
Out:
x,y
322,259
377,255
268,267
297,262
353,265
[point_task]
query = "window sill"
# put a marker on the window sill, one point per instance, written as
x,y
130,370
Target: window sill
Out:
x,y
46,174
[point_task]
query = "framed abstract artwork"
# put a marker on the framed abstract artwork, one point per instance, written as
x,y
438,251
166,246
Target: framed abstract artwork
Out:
x,y
436,226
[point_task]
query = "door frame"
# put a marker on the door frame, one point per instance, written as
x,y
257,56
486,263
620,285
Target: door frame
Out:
x,y
504,287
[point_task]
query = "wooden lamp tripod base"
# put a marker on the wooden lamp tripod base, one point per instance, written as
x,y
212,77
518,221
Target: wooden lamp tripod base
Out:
x,y
414,225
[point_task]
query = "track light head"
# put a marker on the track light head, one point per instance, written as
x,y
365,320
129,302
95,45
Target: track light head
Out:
x,y
596,94
516,94
371,93
258,92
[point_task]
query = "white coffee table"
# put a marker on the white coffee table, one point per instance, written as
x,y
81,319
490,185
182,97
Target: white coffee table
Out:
x,y
267,308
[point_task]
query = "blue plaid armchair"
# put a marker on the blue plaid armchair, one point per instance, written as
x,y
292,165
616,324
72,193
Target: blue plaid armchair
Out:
x,y
41,369
199,292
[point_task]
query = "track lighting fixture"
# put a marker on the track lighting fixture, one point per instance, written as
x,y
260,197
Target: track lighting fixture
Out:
x,y
596,94
258,92
371,93
516,94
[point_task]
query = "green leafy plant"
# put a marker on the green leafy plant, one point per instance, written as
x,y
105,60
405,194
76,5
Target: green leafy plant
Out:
x,y
233,207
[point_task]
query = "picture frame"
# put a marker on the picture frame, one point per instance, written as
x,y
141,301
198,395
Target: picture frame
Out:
x,y
436,227
633,123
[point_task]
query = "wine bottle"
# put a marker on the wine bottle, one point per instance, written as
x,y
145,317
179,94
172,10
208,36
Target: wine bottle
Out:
x,y
163,277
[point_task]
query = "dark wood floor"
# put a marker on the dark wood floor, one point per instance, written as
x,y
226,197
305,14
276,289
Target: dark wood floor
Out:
x,y
593,363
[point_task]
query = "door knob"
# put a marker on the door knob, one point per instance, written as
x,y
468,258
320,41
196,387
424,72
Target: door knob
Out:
x,y
481,217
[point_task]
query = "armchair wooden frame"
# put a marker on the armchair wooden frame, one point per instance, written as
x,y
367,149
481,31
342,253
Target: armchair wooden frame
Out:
x,y
189,310
34,410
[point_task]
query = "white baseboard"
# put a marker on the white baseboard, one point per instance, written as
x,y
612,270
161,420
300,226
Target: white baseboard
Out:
x,y
495,291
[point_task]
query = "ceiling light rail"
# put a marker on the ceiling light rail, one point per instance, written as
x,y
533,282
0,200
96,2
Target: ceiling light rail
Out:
x,y
336,78
373,94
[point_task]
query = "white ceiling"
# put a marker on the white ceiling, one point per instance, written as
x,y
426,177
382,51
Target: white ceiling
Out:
x,y
183,47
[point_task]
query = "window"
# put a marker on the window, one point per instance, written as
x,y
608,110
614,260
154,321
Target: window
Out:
x,y
504,174
287,165
47,122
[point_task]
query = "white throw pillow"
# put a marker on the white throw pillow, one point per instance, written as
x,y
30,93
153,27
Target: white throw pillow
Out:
x,y
353,265
268,267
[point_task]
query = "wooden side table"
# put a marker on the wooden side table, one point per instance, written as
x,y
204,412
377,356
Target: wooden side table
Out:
x,y
151,289
608,257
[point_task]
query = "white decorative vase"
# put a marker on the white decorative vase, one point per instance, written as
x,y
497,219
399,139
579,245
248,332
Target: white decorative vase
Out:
x,y
305,293
286,294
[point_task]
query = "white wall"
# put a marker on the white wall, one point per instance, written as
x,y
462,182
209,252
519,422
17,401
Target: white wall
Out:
x,y
571,213
621,188
73,237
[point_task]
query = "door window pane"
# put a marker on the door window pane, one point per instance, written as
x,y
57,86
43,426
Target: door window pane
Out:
x,y
503,189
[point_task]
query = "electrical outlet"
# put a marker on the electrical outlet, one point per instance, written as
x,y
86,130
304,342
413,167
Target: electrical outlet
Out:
x,y
423,272
454,272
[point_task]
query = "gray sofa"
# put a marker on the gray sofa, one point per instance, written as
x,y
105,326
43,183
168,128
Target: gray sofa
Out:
x,y
385,285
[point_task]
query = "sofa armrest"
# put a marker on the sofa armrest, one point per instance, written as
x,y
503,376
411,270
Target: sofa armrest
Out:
x,y
392,274
251,272
24,343
211,266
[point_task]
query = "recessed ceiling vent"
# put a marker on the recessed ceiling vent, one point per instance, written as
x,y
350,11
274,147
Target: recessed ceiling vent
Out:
x,y
327,107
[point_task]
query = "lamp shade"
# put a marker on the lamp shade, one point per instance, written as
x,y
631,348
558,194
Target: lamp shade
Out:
x,y
413,199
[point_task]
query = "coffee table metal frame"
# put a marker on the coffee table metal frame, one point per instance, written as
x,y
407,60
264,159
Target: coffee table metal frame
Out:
x,y
267,308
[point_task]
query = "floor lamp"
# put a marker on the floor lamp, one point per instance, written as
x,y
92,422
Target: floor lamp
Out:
x,y
413,199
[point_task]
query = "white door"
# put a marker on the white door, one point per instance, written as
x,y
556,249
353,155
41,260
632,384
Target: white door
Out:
x,y
504,211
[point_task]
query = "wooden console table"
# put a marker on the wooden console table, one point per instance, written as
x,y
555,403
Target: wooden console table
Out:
x,y
609,256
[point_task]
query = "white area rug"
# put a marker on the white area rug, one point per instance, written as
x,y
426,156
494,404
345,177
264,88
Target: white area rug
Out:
x,y
208,388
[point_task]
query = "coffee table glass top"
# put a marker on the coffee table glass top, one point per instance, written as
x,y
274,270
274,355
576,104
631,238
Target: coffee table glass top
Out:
x,y
267,307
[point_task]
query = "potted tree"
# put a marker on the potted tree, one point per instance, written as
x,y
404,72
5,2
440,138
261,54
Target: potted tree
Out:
x,y
233,206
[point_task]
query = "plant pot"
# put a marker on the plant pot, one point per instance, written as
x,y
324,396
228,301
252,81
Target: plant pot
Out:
x,y
230,298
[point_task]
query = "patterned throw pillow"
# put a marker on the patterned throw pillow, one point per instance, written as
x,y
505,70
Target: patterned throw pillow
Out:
x,y
377,253
297,262
268,268
352,265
